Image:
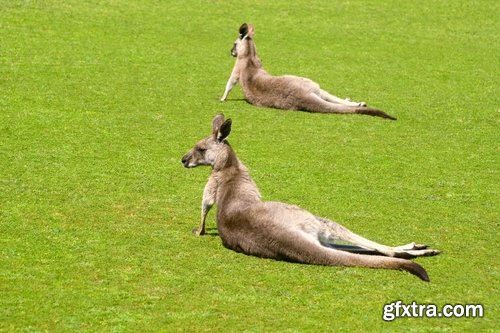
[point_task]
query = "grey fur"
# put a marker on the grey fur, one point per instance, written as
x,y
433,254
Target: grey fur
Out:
x,y
286,92
278,230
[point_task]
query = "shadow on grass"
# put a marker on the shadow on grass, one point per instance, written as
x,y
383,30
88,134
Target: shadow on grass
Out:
x,y
208,232
234,100
211,232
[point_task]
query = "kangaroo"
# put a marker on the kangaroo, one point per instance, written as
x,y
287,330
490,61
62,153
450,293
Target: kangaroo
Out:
x,y
286,92
278,230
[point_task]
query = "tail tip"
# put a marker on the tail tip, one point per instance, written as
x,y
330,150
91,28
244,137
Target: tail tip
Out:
x,y
425,277
417,270
375,113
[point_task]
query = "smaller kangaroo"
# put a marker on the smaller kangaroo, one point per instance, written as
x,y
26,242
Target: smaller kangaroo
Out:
x,y
286,92
277,230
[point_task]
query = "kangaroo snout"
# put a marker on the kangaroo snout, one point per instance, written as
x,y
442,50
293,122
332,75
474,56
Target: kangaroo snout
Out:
x,y
185,160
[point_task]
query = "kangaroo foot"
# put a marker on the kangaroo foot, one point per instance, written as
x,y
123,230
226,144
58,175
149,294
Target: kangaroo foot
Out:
x,y
363,104
409,254
411,246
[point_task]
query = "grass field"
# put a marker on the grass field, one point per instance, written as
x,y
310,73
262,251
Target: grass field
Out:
x,y
100,99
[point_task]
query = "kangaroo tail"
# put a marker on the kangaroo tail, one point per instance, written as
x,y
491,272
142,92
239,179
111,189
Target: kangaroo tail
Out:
x,y
321,255
351,259
416,269
316,104
374,112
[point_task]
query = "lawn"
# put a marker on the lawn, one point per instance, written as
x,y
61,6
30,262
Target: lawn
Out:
x,y
99,100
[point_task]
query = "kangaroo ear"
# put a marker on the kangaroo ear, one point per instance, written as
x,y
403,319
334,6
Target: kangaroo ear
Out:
x,y
251,30
216,124
243,30
224,131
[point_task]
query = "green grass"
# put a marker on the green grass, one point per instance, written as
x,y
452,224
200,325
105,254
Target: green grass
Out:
x,y
99,101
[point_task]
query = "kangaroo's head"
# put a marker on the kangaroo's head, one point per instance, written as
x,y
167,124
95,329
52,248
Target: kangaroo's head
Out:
x,y
240,46
208,151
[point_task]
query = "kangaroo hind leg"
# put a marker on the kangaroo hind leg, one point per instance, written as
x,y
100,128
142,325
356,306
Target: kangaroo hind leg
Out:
x,y
314,103
334,99
361,244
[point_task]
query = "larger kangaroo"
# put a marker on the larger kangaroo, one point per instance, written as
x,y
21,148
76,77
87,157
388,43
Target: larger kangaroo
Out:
x,y
277,230
283,92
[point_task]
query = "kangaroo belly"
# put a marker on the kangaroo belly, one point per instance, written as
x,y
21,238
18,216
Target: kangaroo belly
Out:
x,y
271,230
283,92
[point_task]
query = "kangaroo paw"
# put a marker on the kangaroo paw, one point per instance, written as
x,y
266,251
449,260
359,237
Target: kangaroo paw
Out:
x,y
199,232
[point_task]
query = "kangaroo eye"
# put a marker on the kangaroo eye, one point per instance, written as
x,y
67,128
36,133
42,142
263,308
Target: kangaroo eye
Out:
x,y
201,150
